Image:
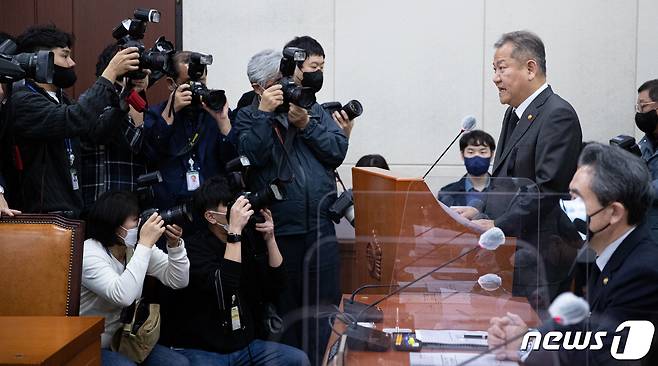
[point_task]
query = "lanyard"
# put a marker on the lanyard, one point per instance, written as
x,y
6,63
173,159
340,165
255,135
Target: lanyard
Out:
x,y
69,151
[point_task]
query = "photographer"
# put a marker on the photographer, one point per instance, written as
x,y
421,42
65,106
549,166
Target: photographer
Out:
x,y
646,119
111,157
116,259
45,126
220,319
190,141
4,91
310,73
305,146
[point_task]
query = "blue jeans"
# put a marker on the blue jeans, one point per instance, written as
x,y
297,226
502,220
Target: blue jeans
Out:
x,y
258,352
160,355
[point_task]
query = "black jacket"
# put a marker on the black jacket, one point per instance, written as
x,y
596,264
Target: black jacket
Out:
x,y
314,154
454,194
191,317
626,289
40,127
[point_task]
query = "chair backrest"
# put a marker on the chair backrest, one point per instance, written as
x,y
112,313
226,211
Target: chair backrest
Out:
x,y
41,269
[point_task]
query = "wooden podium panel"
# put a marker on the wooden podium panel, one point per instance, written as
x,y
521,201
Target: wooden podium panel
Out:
x,y
402,231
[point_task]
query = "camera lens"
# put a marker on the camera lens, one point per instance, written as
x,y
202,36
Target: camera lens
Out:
x,y
353,109
214,99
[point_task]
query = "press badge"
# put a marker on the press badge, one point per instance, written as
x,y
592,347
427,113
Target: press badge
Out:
x,y
235,315
192,177
74,179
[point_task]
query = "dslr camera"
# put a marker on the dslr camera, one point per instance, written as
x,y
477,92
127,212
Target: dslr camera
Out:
x,y
215,99
274,192
627,143
353,108
292,93
38,66
179,214
130,33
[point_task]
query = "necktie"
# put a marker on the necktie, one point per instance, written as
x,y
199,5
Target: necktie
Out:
x,y
513,121
593,281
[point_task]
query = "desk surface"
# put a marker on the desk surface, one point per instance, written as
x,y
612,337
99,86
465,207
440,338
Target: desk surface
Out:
x,y
466,311
46,339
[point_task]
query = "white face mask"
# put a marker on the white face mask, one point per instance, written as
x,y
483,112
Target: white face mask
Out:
x,y
131,237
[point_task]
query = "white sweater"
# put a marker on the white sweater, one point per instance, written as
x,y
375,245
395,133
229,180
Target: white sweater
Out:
x,y
107,288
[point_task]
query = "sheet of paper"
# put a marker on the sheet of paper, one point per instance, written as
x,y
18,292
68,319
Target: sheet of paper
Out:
x,y
453,359
453,337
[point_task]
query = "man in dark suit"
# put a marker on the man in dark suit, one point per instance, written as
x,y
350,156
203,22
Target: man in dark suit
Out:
x,y
614,188
535,160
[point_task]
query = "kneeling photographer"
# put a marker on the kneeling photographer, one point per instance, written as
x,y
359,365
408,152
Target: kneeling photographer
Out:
x,y
236,274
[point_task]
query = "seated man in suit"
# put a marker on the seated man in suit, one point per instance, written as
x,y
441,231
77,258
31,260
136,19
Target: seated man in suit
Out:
x,y
615,188
476,148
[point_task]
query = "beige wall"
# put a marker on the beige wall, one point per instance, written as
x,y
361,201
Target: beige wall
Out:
x,y
420,66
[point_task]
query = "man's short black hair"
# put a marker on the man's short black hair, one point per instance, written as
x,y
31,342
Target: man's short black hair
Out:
x,y
373,160
652,87
43,37
109,213
212,192
308,44
105,57
477,138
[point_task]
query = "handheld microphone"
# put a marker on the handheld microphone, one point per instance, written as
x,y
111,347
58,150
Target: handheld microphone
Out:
x,y
362,338
468,123
566,309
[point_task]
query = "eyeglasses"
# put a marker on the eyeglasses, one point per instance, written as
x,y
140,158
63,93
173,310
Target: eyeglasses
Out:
x,y
640,106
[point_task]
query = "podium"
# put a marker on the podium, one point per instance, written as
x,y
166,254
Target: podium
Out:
x,y
403,231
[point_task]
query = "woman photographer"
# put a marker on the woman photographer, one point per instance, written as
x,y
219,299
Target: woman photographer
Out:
x,y
116,260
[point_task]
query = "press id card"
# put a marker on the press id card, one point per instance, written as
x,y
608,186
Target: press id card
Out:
x,y
74,179
235,315
192,180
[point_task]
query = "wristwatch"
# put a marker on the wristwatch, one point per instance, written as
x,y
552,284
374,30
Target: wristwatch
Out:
x,y
233,238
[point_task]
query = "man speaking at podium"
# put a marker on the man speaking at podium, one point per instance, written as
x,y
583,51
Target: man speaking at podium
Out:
x,y
540,141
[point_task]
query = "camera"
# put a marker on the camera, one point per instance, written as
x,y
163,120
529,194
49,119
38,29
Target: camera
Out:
x,y
353,108
38,66
343,207
273,192
179,214
213,98
292,93
627,143
130,32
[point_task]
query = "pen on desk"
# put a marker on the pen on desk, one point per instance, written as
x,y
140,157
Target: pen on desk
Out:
x,y
475,336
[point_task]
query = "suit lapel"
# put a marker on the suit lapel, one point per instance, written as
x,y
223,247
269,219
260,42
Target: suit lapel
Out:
x,y
615,261
525,121
502,139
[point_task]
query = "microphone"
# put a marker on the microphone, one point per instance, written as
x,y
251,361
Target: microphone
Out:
x,y
362,338
566,309
468,123
490,282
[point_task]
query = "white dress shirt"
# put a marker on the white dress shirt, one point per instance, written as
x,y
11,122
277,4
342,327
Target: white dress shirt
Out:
x,y
523,106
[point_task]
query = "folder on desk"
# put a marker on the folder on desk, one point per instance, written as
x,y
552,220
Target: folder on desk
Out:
x,y
449,338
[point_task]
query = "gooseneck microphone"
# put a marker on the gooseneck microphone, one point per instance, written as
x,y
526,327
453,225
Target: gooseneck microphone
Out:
x,y
362,338
468,123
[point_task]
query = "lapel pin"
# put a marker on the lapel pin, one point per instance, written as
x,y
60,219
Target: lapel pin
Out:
x,y
605,281
530,117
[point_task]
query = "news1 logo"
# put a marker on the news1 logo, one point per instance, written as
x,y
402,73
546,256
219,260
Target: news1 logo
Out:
x,y
636,345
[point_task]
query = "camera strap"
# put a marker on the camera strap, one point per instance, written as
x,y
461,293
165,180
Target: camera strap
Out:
x,y
287,146
194,140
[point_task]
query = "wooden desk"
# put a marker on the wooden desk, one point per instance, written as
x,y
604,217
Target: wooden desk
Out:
x,y
50,340
467,311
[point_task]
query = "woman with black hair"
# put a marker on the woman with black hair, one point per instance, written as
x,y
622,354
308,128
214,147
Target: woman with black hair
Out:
x,y
116,260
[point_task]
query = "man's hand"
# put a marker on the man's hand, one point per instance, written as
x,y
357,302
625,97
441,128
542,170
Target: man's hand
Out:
x,y
124,61
484,224
221,117
272,97
182,98
173,234
151,231
507,333
4,208
466,212
240,214
343,122
298,116
266,228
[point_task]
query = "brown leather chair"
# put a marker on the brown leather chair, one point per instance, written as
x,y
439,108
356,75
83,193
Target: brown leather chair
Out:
x,y
41,266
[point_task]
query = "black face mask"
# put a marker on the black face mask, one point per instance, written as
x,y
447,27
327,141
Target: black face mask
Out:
x,y
590,232
313,80
647,121
64,77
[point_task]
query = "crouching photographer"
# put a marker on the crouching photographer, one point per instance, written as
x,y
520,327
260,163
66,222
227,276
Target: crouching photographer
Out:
x,y
236,273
